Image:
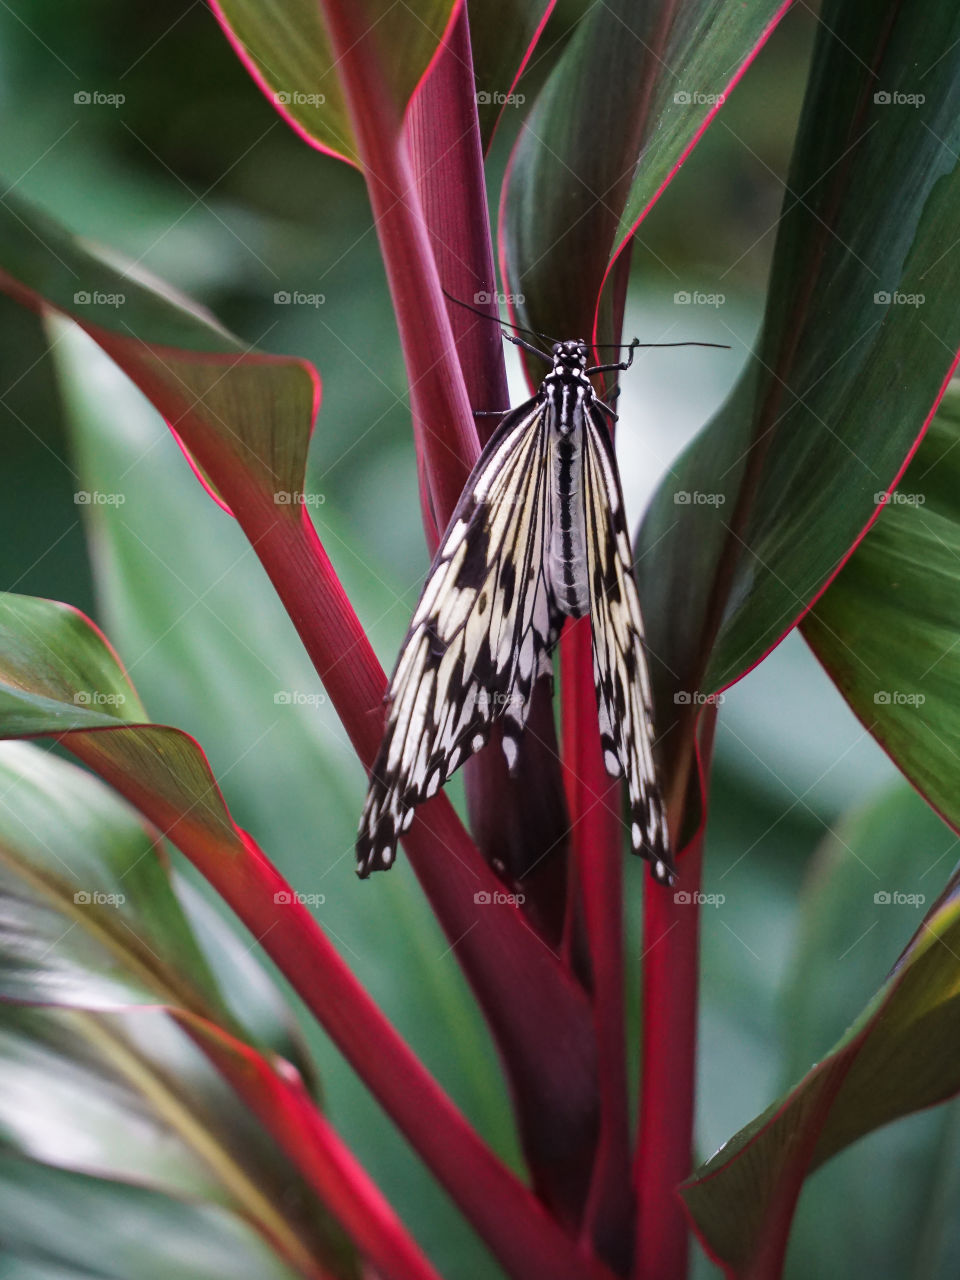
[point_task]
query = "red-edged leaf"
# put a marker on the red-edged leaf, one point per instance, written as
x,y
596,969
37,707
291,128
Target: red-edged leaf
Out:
x,y
886,629
761,511
631,95
58,676
286,46
901,1054
503,35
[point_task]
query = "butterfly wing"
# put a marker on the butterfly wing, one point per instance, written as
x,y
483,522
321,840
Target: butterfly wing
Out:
x,y
624,699
480,637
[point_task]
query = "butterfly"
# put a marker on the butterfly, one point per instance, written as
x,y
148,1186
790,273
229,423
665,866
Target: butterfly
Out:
x,y
538,536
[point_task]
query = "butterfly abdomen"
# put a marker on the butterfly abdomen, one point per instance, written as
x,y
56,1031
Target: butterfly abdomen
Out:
x,y
568,532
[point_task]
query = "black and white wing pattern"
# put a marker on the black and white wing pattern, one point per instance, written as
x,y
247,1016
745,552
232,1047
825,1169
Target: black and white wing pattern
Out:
x,y
480,638
624,698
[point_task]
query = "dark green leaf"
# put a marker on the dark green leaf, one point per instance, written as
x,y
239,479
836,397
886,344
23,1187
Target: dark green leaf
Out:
x,y
901,1054
634,89
887,629
860,334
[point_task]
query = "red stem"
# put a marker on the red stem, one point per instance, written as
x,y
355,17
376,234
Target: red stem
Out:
x,y
528,1243
597,834
274,1092
671,943
519,823
443,423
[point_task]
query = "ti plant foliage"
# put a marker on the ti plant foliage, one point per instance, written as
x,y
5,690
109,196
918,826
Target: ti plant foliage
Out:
x,y
152,1072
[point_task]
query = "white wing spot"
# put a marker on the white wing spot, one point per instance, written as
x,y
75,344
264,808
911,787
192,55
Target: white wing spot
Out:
x,y
510,751
636,835
611,764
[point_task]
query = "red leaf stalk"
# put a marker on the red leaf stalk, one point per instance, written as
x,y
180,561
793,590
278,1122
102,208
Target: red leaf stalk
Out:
x,y
597,834
671,932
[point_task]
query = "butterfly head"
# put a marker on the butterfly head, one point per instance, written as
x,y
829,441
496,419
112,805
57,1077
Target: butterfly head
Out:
x,y
570,356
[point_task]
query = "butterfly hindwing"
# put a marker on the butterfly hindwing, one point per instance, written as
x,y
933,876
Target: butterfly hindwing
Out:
x,y
479,639
624,698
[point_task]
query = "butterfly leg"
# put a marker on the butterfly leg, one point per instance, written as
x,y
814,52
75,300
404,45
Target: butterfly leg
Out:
x,y
622,364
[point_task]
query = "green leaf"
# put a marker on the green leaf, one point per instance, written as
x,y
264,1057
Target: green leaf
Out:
x,y
860,335
878,1209
503,35
887,629
629,98
900,1055
53,1227
90,924
286,46
253,410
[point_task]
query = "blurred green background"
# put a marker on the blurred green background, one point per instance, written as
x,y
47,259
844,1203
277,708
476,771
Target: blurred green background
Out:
x,y
195,178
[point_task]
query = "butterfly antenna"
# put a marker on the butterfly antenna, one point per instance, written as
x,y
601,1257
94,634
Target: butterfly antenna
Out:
x,y
600,346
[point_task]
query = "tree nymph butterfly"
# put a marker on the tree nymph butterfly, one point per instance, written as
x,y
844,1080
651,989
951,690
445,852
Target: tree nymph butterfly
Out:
x,y
538,536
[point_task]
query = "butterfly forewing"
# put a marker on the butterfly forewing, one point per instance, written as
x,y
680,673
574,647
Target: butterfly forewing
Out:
x,y
624,700
479,638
